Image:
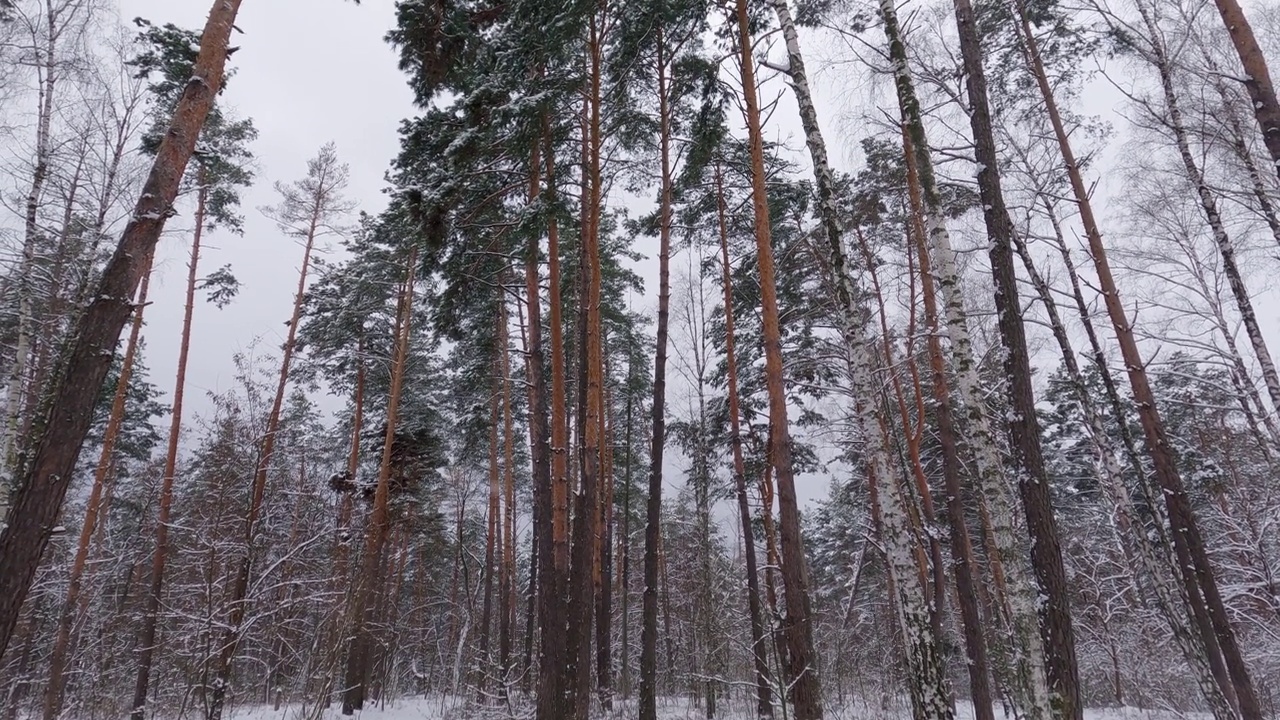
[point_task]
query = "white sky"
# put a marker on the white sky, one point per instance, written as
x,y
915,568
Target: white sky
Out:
x,y
309,72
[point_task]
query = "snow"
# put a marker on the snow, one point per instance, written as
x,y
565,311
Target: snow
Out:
x,y
458,708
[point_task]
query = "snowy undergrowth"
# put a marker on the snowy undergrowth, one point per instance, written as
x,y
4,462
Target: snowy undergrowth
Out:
x,y
455,708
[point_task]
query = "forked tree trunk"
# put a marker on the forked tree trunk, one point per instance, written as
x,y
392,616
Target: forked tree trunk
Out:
x,y
759,648
57,442
151,613
653,507
369,581
802,665
1192,556
93,510
1029,648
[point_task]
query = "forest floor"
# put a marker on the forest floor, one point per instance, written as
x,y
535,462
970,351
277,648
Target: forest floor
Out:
x,y
452,708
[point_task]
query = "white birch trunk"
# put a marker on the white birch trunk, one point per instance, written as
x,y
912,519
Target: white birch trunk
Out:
x,y
1032,687
928,687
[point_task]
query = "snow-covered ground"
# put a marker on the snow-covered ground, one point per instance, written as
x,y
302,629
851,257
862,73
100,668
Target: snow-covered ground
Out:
x,y
451,708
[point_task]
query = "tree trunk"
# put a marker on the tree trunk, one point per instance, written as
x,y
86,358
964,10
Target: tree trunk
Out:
x,y
586,545
369,582
542,571
240,589
759,650
805,688
150,616
1030,649
1257,76
1193,558
551,683
1024,428
506,625
604,571
1149,561
49,75
483,661
57,442
94,509
962,559
653,507
1159,58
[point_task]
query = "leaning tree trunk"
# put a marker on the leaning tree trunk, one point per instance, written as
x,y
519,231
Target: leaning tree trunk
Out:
x,y
928,685
653,507
93,510
802,661
1257,76
759,650
1159,58
961,545
1024,429
26,270
151,613
75,389
1192,555
1149,560
240,589
1029,648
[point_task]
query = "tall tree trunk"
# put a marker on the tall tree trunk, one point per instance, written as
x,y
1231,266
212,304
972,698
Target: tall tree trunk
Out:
x,y
586,545
1024,428
57,441
369,581
1159,58
604,572
624,550
239,599
506,625
551,684
1193,558
93,510
653,507
805,688
542,571
759,650
484,664
150,615
1257,76
1149,561
1031,652
964,566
